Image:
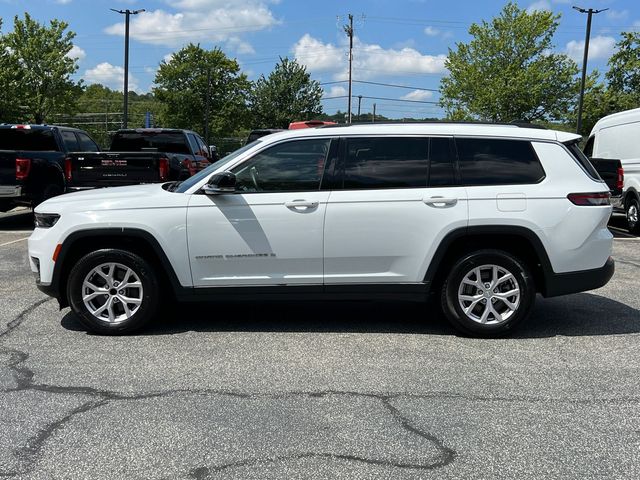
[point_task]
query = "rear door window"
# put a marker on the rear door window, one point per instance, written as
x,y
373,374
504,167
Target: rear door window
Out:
x,y
385,162
491,161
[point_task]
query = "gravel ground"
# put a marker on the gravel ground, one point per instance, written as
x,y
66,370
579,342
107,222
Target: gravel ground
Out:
x,y
319,390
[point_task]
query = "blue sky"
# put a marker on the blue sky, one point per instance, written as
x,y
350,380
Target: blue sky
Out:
x,y
401,42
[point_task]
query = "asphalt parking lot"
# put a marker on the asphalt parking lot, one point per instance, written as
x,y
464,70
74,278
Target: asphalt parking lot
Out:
x,y
319,390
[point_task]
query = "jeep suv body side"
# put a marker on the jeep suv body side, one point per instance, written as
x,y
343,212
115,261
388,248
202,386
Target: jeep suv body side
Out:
x,y
483,215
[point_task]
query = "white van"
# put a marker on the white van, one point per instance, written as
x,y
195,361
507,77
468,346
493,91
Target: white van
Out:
x,y
617,136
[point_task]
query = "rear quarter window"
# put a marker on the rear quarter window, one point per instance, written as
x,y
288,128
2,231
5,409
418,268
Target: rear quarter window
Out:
x,y
489,161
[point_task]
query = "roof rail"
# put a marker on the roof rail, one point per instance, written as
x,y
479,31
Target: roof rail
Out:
x,y
517,123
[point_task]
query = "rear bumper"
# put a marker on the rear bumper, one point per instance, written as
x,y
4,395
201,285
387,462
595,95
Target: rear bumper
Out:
x,y
10,191
581,281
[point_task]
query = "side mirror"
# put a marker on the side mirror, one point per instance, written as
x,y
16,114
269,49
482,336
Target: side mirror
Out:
x,y
213,152
224,182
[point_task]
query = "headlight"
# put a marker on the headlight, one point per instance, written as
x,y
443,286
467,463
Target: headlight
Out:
x,y
46,220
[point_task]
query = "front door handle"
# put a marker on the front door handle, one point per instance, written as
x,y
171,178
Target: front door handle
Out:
x,y
440,202
296,204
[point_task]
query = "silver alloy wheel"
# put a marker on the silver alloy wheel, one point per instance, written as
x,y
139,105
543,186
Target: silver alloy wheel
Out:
x,y
112,292
632,213
489,294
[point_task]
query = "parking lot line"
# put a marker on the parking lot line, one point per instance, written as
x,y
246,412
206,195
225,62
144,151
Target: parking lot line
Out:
x,y
13,241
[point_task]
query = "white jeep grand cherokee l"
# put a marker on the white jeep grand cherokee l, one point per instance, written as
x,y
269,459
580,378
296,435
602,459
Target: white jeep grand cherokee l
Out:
x,y
484,216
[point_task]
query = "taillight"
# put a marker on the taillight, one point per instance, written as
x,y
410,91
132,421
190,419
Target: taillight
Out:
x,y
590,199
163,168
620,180
68,167
190,166
23,167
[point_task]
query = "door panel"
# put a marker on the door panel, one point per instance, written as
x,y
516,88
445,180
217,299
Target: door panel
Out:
x,y
383,236
256,238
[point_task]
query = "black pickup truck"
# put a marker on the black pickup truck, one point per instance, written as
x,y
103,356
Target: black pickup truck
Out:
x,y
32,161
142,155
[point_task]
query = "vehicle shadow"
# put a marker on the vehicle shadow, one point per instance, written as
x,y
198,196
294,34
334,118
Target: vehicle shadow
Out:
x,y
583,314
17,220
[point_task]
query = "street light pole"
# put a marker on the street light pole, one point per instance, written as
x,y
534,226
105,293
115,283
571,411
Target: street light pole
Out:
x,y
589,13
348,29
127,13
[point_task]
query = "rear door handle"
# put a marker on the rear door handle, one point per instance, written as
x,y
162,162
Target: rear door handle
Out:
x,y
295,204
440,202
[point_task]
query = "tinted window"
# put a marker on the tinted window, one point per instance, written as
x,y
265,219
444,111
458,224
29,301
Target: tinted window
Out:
x,y
168,142
86,144
441,158
37,140
486,161
202,148
588,148
193,143
70,141
290,166
385,163
583,160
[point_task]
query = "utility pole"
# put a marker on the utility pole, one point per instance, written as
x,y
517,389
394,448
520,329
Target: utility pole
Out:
x,y
348,29
127,13
359,100
206,108
374,113
589,13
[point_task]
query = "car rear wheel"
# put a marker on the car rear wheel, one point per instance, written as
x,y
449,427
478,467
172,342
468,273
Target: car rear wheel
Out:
x,y
487,293
633,212
113,291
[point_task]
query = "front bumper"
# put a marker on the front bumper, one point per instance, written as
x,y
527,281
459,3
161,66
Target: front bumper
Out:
x,y
573,282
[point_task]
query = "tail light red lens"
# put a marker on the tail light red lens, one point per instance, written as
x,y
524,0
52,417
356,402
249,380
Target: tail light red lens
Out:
x,y
190,166
163,167
620,180
590,199
68,169
23,167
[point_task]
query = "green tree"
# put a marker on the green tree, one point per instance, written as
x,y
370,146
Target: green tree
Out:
x,y
9,80
507,71
182,86
43,69
623,75
288,94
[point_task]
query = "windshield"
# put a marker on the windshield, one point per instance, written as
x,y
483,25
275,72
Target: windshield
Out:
x,y
187,184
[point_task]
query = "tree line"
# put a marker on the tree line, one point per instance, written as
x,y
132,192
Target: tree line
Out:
x,y
508,71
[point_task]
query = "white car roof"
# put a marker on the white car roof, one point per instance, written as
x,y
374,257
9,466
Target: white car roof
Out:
x,y
442,128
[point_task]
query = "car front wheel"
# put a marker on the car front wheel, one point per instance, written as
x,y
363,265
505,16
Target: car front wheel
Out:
x,y
487,293
113,291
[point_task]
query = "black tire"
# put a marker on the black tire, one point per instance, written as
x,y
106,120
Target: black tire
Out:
x,y
495,325
49,191
632,211
138,316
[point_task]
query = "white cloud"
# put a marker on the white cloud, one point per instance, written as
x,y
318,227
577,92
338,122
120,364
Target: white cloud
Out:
x,y
111,76
336,91
600,47
431,31
368,59
539,5
617,14
215,21
419,95
76,52
63,2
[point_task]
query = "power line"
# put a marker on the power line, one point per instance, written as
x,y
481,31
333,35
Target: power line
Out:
x,y
383,85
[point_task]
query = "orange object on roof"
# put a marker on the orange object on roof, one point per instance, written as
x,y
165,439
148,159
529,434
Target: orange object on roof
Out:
x,y
309,124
